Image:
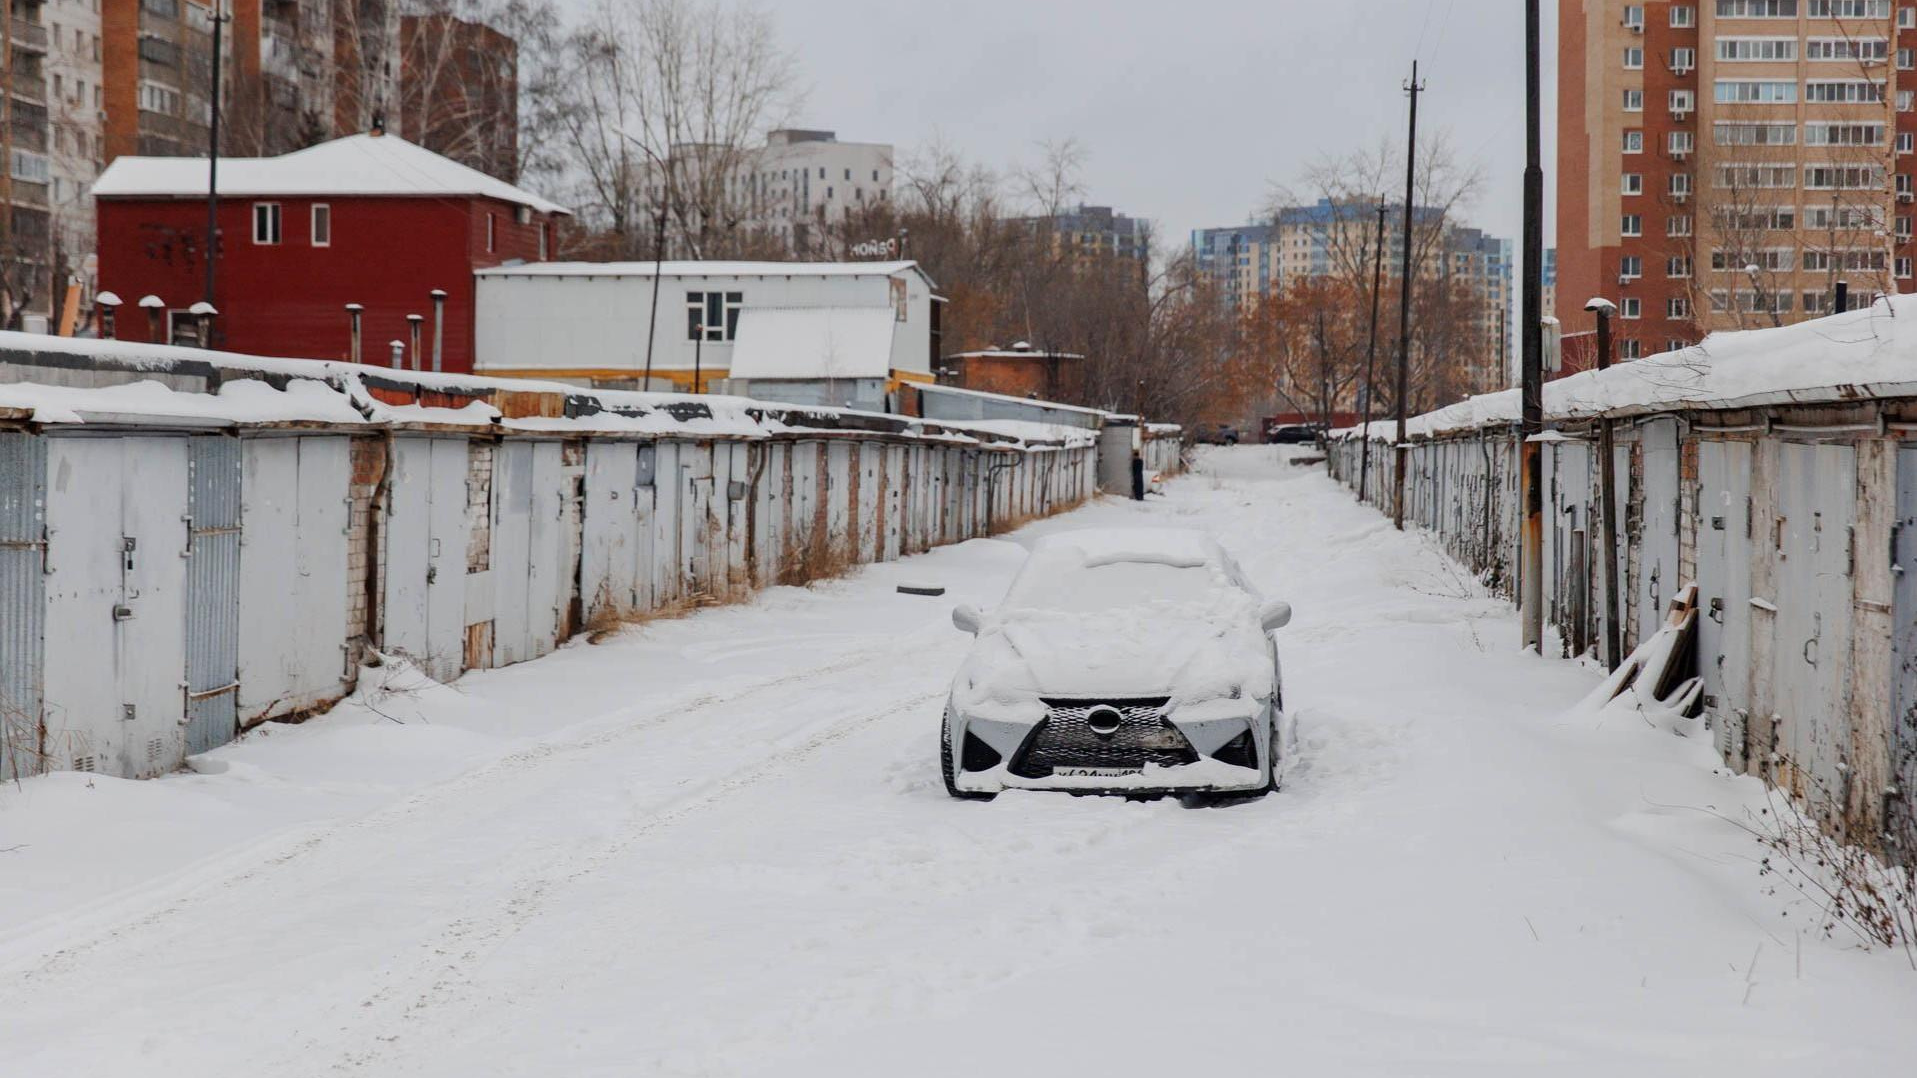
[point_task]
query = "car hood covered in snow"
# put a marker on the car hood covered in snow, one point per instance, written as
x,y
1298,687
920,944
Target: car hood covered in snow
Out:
x,y
1119,613
1183,654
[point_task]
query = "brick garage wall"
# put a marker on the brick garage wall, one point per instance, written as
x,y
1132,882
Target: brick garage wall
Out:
x,y
364,563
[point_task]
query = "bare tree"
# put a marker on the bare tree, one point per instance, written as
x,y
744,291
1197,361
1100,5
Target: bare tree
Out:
x,y
670,102
460,83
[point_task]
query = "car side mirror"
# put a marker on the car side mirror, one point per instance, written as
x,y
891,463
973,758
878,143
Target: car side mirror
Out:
x,y
1275,614
965,617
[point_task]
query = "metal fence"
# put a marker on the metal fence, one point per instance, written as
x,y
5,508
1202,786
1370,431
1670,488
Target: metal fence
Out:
x,y
1794,522
162,589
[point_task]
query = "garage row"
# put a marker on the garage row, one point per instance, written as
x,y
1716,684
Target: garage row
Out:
x,y
1794,522
163,589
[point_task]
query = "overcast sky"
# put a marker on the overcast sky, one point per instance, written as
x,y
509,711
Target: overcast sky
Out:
x,y
1189,110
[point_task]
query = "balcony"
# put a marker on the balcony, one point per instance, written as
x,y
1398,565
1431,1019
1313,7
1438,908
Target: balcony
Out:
x,y
29,36
30,86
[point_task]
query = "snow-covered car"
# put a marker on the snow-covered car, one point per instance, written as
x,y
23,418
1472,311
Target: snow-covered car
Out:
x,y
1122,660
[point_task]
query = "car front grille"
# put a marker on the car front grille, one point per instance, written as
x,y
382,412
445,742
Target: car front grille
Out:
x,y
1065,738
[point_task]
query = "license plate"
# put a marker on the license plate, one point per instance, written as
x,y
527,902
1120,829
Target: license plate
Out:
x,y
1096,772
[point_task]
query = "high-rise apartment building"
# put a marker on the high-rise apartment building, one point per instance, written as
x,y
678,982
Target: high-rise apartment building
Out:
x,y
1096,232
1484,264
1241,262
1725,163
1340,239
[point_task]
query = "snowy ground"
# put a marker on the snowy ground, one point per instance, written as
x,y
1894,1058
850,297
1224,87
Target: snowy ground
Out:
x,y
720,847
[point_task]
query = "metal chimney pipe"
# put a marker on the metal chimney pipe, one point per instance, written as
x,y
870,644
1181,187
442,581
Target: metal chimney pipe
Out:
x,y
106,304
203,313
352,313
415,321
439,326
399,354
1842,301
154,307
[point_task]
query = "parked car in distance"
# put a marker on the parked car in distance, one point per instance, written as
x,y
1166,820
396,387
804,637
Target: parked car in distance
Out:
x,y
1292,433
1121,661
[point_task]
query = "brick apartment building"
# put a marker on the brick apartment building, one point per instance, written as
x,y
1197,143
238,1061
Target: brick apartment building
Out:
x,y
1723,164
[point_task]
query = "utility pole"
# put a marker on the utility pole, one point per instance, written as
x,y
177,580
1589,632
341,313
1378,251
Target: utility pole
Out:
x,y
1531,552
1414,88
213,156
1607,492
1371,352
658,273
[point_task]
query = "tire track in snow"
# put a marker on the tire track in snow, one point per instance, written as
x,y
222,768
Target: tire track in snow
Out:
x,y
144,911
444,978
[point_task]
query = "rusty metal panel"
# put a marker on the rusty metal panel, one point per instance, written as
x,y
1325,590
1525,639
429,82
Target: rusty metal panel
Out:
x,y
426,553
23,495
1816,501
668,576
737,494
1901,806
838,497
868,543
551,566
896,502
695,518
294,516
213,592
267,663
767,504
608,564
644,500
406,534
1724,526
512,552
1658,538
446,578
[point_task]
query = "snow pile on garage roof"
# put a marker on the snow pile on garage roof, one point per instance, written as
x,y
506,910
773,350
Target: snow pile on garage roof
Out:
x,y
1859,354
330,392
1031,431
365,165
813,343
241,401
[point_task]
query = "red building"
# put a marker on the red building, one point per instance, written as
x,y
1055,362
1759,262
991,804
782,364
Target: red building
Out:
x,y
1018,371
368,219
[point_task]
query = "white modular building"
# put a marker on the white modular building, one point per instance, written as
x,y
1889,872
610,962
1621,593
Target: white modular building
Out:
x,y
839,333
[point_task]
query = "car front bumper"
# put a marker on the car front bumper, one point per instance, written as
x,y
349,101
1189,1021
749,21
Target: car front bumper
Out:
x,y
999,757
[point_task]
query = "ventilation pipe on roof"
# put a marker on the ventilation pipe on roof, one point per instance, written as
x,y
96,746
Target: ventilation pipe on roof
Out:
x,y
399,354
203,313
352,314
439,325
414,321
154,306
1842,302
106,303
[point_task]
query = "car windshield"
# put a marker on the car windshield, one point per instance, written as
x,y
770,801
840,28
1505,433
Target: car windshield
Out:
x,y
1090,589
